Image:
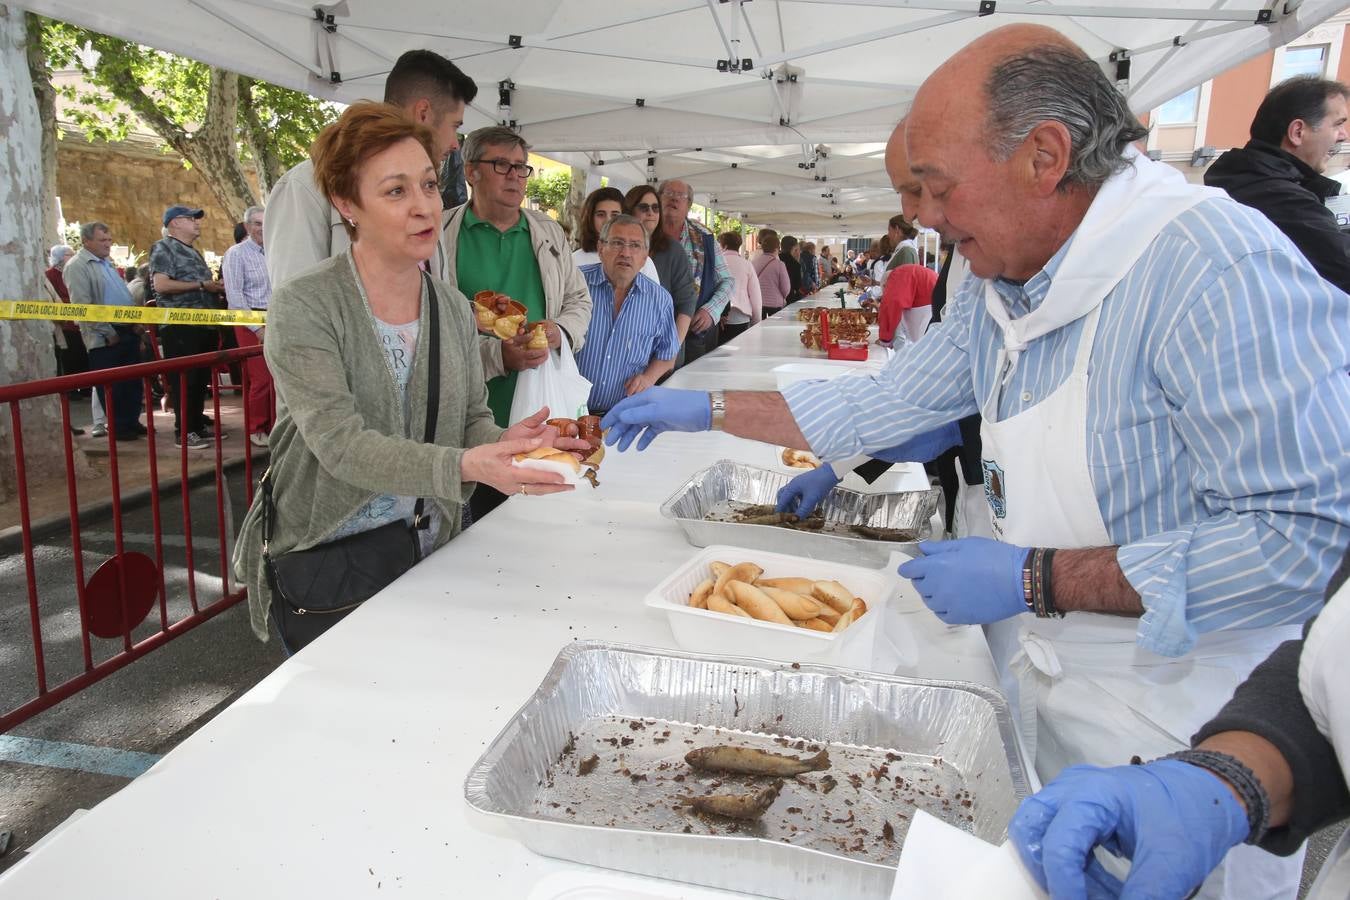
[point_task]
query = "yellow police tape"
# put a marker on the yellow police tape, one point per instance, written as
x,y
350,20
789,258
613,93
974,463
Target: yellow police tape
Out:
x,y
128,315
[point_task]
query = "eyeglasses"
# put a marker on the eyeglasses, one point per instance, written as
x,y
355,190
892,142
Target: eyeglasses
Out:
x,y
506,167
648,207
630,245
675,195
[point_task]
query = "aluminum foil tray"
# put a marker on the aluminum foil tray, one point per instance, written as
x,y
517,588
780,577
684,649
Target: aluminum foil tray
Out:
x,y
630,713
710,491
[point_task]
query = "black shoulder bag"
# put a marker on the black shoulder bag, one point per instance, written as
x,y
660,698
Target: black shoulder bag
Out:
x,y
314,589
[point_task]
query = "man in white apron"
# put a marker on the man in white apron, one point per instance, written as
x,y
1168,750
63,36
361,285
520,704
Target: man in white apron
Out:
x,y
1287,729
1145,417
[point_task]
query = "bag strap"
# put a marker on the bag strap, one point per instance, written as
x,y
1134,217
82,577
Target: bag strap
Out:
x,y
433,388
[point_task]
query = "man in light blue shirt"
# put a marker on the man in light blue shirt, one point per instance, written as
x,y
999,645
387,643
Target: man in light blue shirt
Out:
x,y
632,340
92,278
1166,407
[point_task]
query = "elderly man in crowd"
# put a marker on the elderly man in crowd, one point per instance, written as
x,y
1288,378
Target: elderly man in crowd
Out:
x,y
182,280
92,279
71,356
304,229
492,244
712,281
632,340
247,287
1164,475
1281,169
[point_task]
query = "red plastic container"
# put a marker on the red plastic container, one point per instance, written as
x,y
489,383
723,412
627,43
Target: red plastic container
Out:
x,y
834,349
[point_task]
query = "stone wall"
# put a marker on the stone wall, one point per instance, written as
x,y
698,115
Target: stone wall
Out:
x,y
129,185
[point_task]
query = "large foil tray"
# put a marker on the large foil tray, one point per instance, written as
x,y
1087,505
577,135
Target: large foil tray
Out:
x,y
529,777
729,480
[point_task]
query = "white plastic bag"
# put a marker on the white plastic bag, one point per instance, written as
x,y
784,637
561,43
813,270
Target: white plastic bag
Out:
x,y
556,384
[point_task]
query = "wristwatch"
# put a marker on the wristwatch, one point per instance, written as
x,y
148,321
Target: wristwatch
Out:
x,y
719,409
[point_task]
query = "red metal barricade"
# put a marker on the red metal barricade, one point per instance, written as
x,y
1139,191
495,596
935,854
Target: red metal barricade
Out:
x,y
113,602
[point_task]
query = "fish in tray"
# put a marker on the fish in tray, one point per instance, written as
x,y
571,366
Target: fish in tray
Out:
x,y
741,513
749,761
746,807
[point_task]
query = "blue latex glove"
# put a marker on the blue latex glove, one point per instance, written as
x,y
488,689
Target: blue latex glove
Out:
x,y
969,581
653,411
924,447
1174,820
803,494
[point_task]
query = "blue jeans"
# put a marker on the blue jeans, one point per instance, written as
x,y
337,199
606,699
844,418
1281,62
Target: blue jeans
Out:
x,y
126,395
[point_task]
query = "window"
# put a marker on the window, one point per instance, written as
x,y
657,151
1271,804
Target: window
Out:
x,y
1183,109
1305,61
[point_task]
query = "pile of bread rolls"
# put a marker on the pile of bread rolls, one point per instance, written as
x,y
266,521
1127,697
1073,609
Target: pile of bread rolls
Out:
x,y
740,590
500,315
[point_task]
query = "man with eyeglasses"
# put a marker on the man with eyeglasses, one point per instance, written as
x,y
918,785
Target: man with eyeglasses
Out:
x,y
712,280
492,244
633,341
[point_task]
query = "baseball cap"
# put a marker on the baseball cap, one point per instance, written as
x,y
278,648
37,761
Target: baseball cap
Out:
x,y
174,212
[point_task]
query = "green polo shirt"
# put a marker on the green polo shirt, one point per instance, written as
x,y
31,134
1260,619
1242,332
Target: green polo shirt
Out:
x,y
492,260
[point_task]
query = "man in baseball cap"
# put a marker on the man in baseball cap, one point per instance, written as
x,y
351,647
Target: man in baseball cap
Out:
x,y
174,212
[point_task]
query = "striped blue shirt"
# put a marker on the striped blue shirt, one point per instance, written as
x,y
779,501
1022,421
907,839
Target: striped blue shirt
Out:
x,y
1218,417
616,350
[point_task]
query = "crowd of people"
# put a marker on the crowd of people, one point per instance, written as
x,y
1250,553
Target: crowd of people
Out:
x,y
1140,492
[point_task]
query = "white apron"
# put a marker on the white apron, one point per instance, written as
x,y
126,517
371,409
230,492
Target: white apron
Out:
x,y
1324,682
1082,689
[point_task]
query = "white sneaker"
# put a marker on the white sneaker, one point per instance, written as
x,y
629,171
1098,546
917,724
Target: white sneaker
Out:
x,y
258,439
99,431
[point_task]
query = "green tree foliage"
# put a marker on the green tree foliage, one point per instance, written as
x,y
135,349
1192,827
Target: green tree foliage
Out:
x,y
722,222
213,118
550,191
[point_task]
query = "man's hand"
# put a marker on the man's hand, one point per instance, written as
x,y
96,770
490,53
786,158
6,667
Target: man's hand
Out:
x,y
702,321
638,383
1174,820
551,329
969,581
653,411
214,287
517,356
803,494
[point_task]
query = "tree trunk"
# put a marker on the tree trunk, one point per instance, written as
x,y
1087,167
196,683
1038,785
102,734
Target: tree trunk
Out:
x,y
576,199
41,74
211,149
266,162
26,349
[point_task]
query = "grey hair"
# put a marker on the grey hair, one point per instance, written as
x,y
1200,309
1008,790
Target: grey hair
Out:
x,y
491,136
1059,84
624,219
58,253
88,228
671,182
252,211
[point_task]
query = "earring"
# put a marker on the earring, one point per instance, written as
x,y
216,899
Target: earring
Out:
x,y
351,221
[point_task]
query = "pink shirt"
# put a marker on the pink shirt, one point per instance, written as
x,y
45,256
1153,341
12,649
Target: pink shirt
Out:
x,y
774,284
745,298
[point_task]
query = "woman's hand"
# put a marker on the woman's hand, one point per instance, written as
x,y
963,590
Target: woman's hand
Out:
x,y
534,426
491,464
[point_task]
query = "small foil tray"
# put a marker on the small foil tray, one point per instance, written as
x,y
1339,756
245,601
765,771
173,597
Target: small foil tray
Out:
x,y
631,713
711,490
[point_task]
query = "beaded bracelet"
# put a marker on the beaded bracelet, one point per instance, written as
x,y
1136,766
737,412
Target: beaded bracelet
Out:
x,y
1244,781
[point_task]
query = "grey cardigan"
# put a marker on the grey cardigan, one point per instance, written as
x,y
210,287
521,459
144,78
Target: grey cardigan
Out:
x,y
340,436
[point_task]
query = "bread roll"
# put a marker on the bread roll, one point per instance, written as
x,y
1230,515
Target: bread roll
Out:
x,y
560,461
834,594
699,598
756,603
719,603
858,608
796,585
538,338
795,606
745,571
816,625
844,621
718,568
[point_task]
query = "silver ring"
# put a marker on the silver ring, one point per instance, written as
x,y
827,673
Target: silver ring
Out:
x,y
525,489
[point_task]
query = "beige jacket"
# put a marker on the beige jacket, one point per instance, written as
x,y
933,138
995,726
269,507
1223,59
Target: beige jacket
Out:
x,y
302,228
566,297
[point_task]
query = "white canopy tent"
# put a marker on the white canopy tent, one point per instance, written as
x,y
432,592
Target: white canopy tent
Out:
x,y
774,110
